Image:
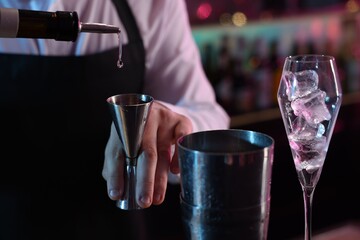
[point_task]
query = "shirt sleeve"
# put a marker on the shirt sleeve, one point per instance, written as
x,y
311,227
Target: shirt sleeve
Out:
x,y
174,72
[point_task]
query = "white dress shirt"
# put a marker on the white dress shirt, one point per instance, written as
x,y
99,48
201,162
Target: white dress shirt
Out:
x,y
174,74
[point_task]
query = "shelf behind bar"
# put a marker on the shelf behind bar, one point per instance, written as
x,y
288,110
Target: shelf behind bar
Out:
x,y
274,113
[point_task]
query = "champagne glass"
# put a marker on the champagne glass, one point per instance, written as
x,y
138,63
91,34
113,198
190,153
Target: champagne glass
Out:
x,y
309,98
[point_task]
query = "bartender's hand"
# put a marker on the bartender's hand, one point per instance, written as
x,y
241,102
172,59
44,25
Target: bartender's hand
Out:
x,y
162,130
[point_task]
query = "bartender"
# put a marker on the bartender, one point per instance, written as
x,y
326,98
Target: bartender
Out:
x,y
55,125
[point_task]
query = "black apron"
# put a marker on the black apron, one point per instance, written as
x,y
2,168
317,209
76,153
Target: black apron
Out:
x,y
54,126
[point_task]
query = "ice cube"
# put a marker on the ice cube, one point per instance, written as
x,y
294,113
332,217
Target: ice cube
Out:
x,y
309,162
306,145
300,84
321,130
302,130
312,107
310,155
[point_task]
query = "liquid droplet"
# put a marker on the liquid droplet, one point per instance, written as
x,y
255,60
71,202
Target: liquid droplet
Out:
x,y
120,63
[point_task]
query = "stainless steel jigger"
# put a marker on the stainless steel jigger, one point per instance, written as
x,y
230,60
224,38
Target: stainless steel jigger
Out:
x,y
130,112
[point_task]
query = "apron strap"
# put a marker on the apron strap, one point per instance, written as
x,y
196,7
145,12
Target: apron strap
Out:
x,y
127,17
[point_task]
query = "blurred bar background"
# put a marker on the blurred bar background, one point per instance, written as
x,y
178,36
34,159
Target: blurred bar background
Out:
x,y
243,44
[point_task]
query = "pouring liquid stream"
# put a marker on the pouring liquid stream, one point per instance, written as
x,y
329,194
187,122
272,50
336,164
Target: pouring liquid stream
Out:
x,y
104,28
120,63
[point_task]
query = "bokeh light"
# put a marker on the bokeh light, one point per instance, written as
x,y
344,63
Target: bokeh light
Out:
x,y
204,11
352,6
239,19
225,19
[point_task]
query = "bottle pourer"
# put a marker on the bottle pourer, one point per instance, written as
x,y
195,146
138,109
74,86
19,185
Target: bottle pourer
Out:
x,y
98,28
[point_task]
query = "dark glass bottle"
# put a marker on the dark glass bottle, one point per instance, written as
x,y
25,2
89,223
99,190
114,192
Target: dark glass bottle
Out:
x,y
59,25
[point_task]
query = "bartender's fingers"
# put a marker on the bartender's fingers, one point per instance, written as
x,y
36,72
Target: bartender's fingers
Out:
x,y
161,174
113,169
162,130
147,162
183,128
166,137
146,167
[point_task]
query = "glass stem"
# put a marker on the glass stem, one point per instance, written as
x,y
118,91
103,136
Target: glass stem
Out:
x,y
308,193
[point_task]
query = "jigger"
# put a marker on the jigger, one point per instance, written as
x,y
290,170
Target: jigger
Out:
x,y
129,113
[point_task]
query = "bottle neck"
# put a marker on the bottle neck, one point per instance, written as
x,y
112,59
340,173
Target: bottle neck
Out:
x,y
59,25
9,22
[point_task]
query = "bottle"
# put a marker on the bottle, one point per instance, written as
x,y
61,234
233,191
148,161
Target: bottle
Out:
x,y
59,25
